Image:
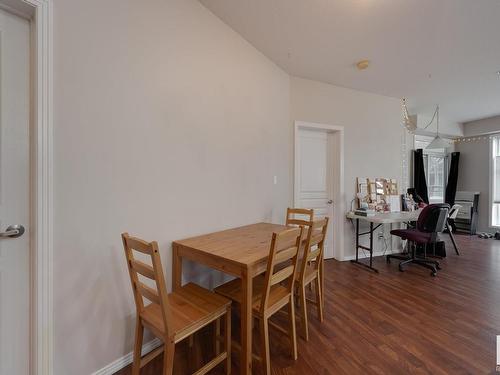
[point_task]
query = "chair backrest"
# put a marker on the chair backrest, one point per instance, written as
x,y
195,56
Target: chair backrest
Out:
x,y
316,235
284,249
299,216
139,270
432,219
454,211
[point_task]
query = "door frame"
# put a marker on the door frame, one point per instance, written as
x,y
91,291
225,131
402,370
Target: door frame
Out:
x,y
337,183
39,13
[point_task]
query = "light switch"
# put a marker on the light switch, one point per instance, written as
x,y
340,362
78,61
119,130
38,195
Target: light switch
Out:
x,y
275,180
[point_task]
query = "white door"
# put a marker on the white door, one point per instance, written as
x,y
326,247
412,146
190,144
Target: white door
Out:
x,y
314,177
14,194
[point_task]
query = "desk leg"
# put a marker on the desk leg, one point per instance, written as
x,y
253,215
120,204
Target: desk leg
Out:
x,y
357,239
371,244
176,268
246,324
370,249
452,238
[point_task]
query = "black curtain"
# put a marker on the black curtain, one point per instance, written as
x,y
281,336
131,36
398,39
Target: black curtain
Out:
x,y
419,182
451,186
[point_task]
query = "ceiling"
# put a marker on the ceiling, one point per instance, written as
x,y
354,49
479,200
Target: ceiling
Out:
x,y
444,52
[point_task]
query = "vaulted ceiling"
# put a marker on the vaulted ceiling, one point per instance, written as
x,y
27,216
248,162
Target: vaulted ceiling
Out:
x,y
443,52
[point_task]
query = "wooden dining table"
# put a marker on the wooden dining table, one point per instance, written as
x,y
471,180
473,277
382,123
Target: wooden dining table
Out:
x,y
241,252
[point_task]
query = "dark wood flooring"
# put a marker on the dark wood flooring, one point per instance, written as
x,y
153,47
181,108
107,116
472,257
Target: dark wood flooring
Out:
x,y
396,322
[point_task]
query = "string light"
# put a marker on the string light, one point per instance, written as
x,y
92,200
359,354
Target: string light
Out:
x,y
471,139
411,126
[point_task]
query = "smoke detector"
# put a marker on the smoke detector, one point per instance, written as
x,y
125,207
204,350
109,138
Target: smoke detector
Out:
x,y
363,64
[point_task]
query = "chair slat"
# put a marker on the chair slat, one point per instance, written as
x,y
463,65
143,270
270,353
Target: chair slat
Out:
x,y
282,275
139,245
143,269
299,222
313,254
285,255
286,238
148,292
316,239
299,211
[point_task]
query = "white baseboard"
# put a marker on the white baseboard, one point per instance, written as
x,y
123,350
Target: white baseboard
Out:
x,y
124,361
366,254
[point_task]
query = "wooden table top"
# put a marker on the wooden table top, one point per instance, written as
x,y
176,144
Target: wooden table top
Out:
x,y
246,246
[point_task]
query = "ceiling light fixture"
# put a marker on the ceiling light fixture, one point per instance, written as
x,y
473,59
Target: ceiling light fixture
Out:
x,y
437,142
411,125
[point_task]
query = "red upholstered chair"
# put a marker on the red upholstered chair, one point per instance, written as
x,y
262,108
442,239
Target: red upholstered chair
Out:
x,y
430,224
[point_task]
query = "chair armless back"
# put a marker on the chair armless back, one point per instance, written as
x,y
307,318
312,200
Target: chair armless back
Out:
x,y
432,219
316,235
299,216
284,250
140,271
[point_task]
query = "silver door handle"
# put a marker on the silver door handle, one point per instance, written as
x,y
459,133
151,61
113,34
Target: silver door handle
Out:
x,y
13,231
330,201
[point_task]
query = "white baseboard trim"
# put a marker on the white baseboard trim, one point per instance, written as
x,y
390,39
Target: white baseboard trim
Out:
x,y
124,361
366,254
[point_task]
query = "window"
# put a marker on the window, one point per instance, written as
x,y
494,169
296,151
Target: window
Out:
x,y
495,181
435,177
436,169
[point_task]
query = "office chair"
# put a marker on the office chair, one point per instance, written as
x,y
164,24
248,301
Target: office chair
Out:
x,y
431,222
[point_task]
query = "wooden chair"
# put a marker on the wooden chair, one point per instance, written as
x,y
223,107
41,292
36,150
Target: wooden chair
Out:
x,y
299,216
273,291
175,316
312,271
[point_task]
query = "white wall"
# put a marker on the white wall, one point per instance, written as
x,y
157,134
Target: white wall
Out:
x,y
447,128
474,172
473,175
167,124
484,126
373,133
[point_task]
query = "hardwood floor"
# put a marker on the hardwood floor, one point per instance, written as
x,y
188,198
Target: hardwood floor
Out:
x,y
396,322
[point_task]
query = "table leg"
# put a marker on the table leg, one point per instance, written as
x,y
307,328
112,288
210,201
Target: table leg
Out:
x,y
176,268
246,324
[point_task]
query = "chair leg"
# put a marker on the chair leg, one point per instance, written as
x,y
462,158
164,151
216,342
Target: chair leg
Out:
x,y
293,331
139,335
168,358
303,314
319,299
227,341
322,277
264,336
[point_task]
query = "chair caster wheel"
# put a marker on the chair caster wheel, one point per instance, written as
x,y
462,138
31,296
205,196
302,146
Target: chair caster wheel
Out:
x,y
438,267
401,269
433,274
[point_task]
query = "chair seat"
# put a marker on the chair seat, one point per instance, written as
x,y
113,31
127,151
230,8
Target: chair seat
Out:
x,y
192,307
412,235
278,294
